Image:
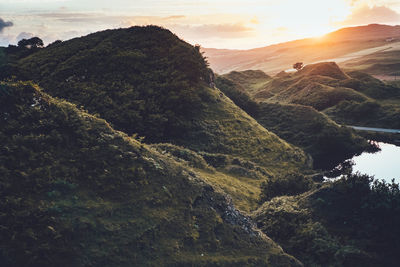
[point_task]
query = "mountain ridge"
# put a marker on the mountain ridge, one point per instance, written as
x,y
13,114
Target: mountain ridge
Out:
x,y
275,58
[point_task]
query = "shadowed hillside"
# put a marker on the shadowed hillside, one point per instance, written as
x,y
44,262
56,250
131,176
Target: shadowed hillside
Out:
x,y
146,81
75,192
349,222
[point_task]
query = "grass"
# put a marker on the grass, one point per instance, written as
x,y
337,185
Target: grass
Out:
x,y
328,143
300,124
76,192
172,104
346,97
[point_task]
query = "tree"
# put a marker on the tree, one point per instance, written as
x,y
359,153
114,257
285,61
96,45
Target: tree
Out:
x,y
55,43
298,66
34,42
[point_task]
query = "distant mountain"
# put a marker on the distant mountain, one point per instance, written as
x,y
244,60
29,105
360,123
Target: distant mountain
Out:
x,y
337,46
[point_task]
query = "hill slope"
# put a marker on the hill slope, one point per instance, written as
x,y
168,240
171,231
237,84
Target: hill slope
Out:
x,y
147,81
335,46
344,96
303,126
75,192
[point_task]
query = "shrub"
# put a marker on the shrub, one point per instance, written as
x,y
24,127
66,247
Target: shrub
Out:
x,y
291,184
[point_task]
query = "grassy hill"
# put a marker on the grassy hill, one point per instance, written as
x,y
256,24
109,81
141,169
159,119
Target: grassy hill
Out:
x,y
130,156
337,46
301,125
146,81
345,96
349,222
327,142
75,192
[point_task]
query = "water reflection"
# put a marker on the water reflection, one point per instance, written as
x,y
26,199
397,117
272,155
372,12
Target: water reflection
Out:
x,y
384,164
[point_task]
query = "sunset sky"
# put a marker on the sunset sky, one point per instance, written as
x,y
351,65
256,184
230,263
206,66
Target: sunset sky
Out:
x,y
239,24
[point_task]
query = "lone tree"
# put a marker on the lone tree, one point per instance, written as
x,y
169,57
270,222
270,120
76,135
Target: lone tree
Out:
x,y
298,66
34,42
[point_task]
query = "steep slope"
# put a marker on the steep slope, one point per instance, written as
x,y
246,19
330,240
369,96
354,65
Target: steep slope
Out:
x,y
338,46
328,143
75,192
147,81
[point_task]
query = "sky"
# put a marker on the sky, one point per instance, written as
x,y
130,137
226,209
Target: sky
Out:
x,y
233,24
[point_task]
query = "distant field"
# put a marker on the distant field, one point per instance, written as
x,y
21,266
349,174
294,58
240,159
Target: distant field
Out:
x,y
348,44
382,62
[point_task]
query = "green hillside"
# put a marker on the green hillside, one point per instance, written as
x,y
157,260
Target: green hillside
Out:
x,y
346,97
146,81
122,148
349,222
301,125
328,143
75,192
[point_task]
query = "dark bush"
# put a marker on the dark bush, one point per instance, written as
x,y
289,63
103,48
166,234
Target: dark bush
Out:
x,y
291,184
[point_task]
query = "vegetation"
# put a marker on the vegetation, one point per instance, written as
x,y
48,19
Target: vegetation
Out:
x,y
34,42
298,66
238,95
349,222
143,80
328,143
155,85
291,184
75,192
379,115
131,157
346,97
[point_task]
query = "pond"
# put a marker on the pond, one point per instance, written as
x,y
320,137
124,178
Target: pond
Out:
x,y
384,164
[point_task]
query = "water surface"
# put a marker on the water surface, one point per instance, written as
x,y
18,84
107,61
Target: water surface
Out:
x,y
384,164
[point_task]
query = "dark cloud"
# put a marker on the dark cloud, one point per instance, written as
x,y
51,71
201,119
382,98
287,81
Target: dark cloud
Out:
x,y
4,24
375,14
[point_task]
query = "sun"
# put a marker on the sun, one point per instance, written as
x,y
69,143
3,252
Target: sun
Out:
x,y
310,18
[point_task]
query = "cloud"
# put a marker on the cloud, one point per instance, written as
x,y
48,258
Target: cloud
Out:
x,y
369,15
255,20
24,35
4,24
229,31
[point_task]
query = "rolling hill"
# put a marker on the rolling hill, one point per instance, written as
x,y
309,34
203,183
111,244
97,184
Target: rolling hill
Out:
x,y
345,96
338,46
146,81
121,151
75,192
299,124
